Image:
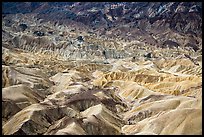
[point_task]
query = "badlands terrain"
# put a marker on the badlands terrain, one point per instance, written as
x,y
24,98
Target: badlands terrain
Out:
x,y
109,68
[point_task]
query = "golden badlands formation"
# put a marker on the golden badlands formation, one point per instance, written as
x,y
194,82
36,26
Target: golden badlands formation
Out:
x,y
62,79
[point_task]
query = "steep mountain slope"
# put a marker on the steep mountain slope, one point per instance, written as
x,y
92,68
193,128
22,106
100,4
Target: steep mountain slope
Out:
x,y
155,22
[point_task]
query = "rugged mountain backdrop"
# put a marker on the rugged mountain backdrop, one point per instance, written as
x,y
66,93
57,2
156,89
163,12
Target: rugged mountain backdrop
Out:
x,y
122,19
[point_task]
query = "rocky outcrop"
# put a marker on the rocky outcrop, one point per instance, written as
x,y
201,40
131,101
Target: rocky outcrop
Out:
x,y
16,98
35,119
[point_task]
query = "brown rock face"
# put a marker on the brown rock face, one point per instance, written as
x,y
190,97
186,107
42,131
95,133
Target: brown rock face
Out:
x,y
111,68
